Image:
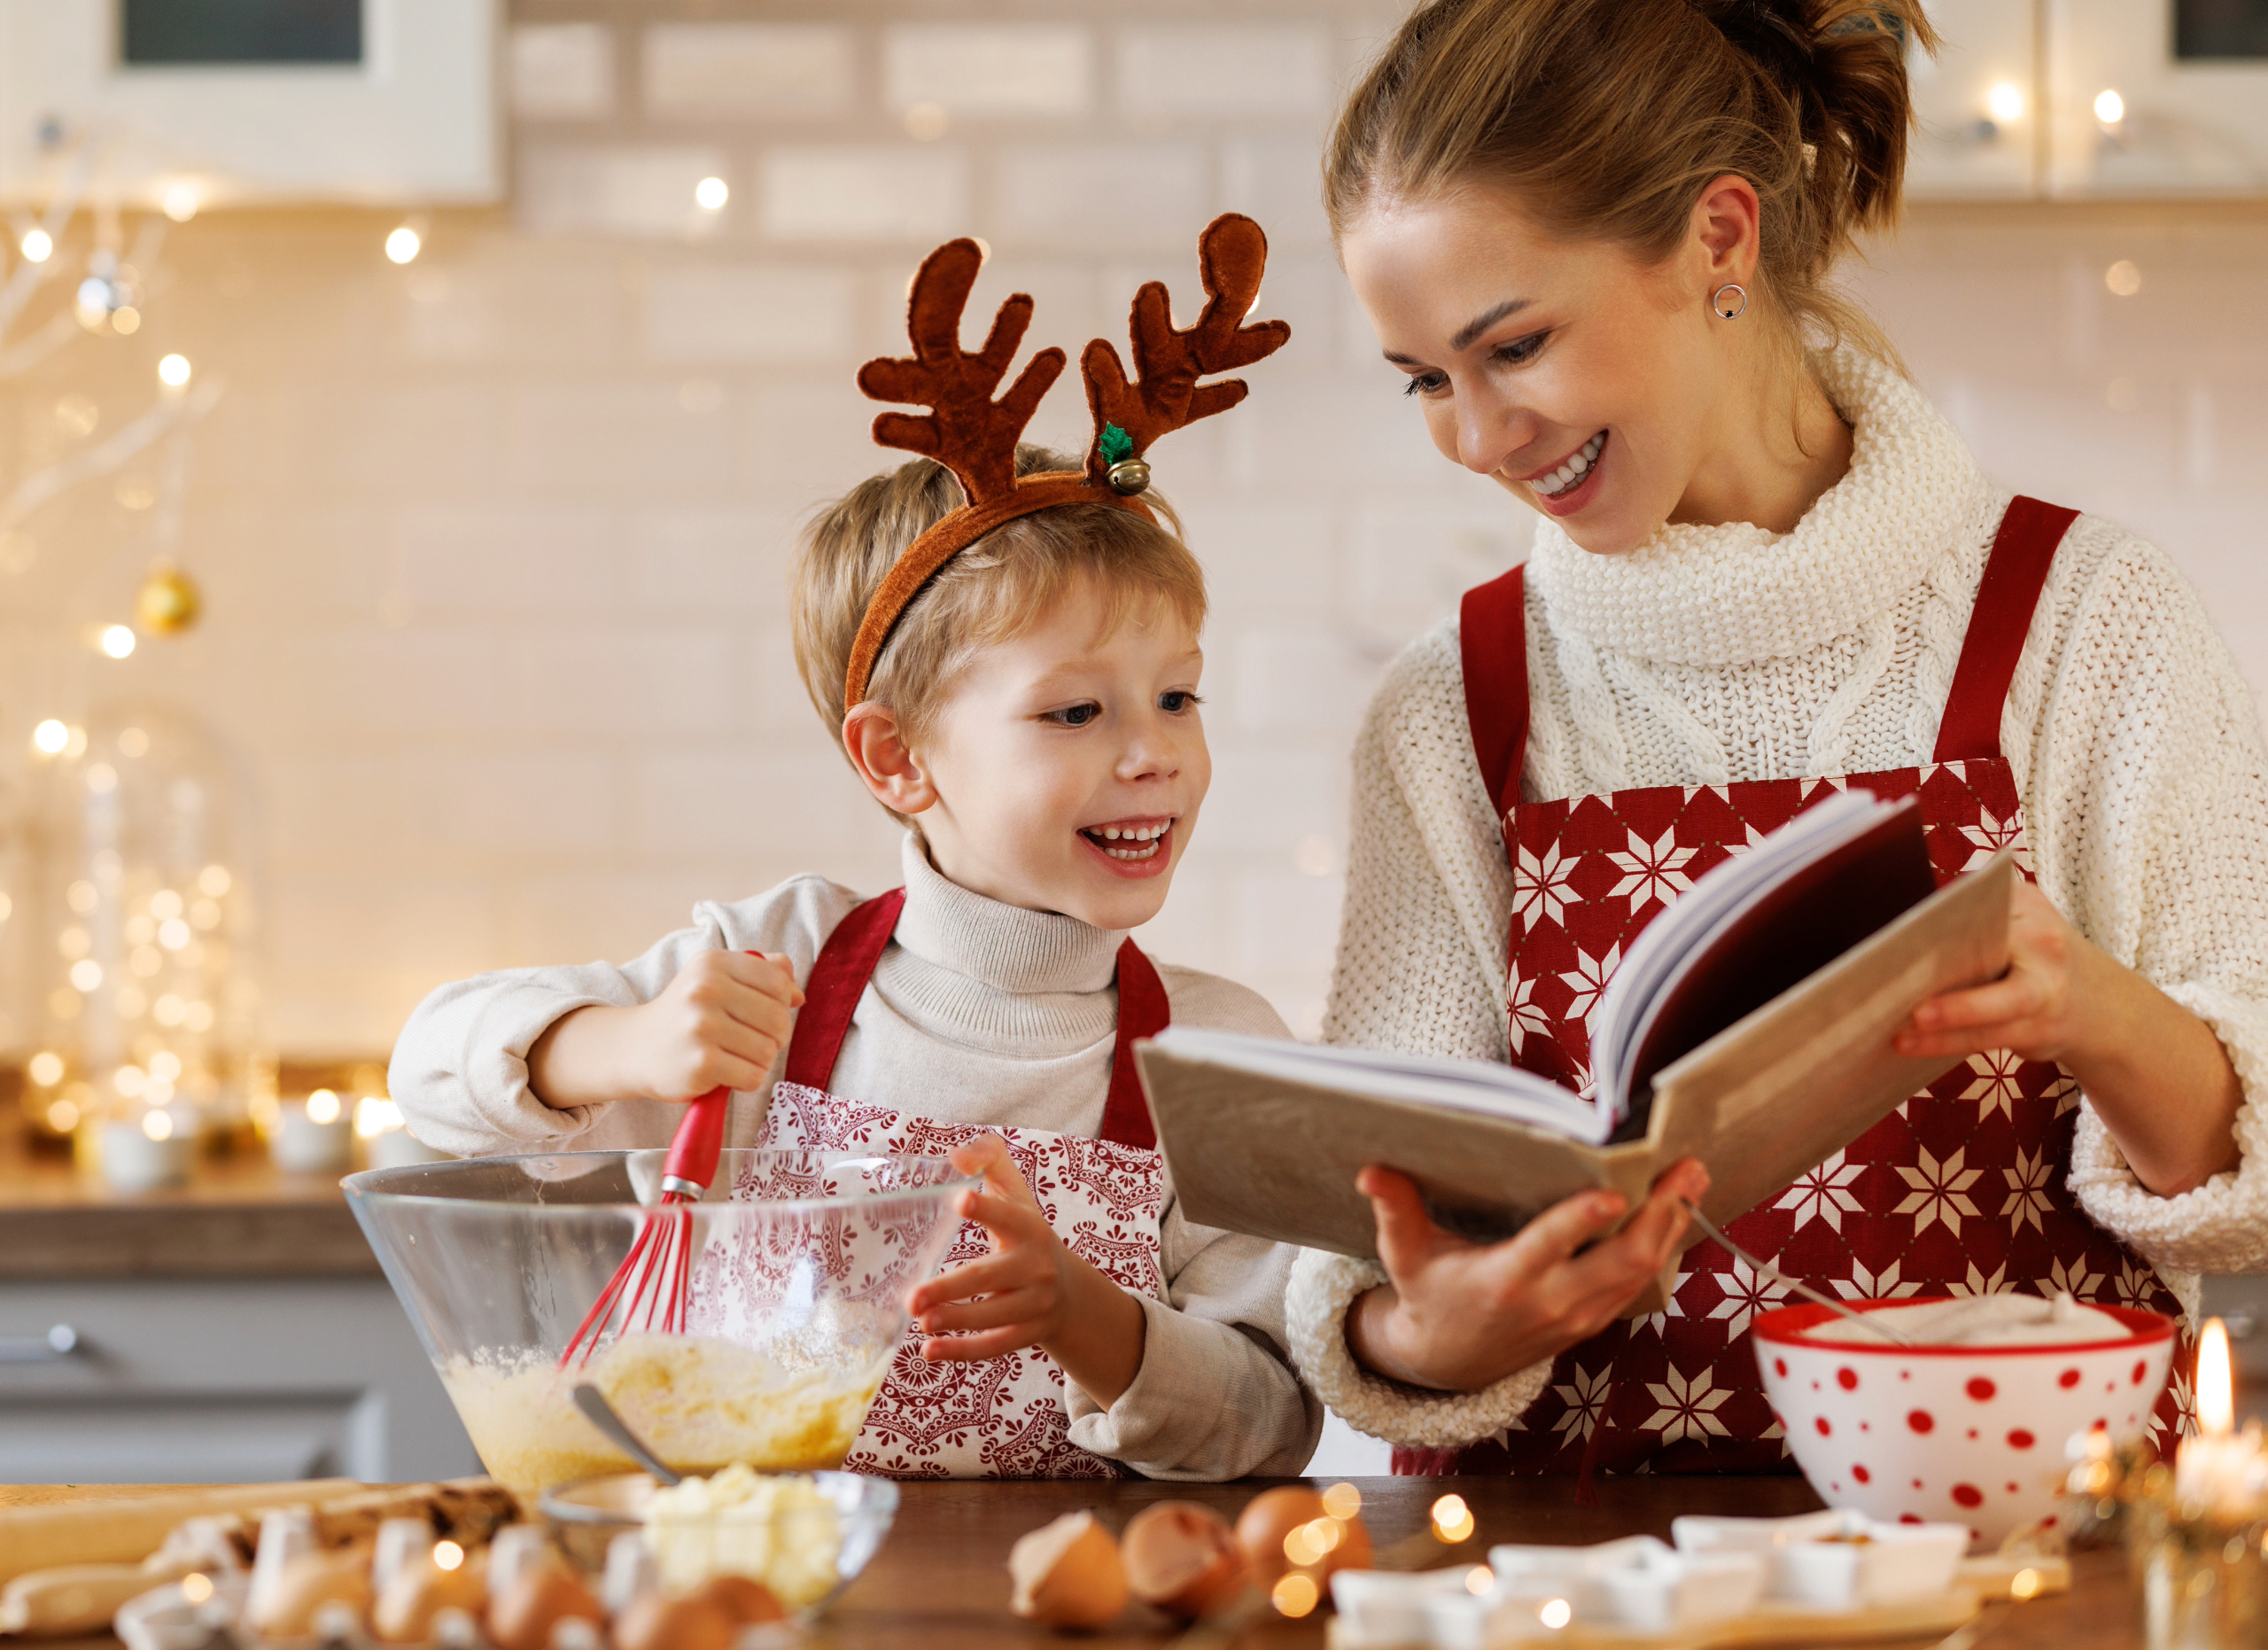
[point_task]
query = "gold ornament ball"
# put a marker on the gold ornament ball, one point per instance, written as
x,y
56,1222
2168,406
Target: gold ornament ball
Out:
x,y
168,603
1130,476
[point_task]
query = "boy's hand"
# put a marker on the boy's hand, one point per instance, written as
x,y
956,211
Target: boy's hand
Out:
x,y
720,1024
1021,1281
1034,1290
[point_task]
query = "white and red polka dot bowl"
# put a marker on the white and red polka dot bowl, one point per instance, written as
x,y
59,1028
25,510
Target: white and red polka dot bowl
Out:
x,y
1967,1435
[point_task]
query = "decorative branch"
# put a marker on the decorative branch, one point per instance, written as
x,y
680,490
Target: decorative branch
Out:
x,y
38,487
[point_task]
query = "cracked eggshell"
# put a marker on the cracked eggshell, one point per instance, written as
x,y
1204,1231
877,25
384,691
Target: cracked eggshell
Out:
x,y
1271,1517
1068,1574
1183,1557
523,1616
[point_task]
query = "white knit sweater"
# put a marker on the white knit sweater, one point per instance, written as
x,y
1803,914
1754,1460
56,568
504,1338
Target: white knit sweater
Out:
x,y
977,1013
1711,654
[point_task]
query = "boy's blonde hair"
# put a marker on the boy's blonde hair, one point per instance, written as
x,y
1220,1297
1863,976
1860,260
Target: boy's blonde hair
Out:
x,y
991,592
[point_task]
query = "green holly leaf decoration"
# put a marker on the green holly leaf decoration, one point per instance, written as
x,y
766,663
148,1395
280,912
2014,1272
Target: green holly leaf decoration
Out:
x,y
1114,445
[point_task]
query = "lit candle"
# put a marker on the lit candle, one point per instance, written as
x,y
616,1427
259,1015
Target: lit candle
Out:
x,y
145,1153
2222,1471
314,1137
387,1142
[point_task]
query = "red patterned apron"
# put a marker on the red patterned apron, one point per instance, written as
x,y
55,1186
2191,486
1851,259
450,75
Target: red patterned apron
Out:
x,y
1004,1418
1960,1191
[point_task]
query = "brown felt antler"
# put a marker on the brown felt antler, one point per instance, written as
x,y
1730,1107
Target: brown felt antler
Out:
x,y
1231,255
965,430
975,437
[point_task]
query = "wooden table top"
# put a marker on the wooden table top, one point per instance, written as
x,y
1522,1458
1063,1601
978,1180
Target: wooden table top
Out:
x,y
238,1217
940,1582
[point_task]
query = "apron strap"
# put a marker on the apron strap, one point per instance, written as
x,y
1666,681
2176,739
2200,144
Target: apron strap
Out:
x,y
1492,636
2014,574
846,963
1143,1011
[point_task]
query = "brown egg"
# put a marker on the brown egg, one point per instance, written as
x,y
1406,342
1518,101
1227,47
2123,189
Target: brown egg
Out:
x,y
1068,1574
1267,1519
657,1621
522,1616
307,1583
748,1602
421,1590
1185,1559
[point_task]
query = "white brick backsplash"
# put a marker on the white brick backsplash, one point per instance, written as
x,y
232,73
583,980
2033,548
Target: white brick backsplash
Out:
x,y
1414,556
453,559
989,69
1304,681
562,71
1266,802
714,560
411,683
652,685
496,301
1105,195
609,917
691,71
1286,923
1275,180
805,805
1234,71
1261,561
810,441
752,314
346,955
521,803
641,192
863,194
615,439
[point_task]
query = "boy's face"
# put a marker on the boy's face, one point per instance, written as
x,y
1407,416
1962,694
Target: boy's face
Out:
x,y
1068,766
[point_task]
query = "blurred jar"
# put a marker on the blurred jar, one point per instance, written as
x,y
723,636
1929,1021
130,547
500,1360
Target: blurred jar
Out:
x,y
141,971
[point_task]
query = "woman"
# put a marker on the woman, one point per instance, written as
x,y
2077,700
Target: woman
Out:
x,y
1595,236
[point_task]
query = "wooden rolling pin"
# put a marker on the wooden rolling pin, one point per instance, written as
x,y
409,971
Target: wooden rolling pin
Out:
x,y
123,1532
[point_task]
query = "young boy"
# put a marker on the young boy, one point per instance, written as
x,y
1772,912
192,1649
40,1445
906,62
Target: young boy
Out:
x,y
1031,712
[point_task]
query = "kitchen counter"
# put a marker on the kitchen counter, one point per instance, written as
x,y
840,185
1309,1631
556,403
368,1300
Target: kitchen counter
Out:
x,y
239,1217
939,1583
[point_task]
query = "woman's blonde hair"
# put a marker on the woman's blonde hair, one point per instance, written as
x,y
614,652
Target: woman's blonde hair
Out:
x,y
992,592
1607,118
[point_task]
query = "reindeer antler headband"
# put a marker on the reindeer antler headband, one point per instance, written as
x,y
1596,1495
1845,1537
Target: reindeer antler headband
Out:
x,y
975,436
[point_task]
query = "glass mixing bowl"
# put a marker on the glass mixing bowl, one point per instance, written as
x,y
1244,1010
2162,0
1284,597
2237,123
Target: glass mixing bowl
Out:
x,y
795,1300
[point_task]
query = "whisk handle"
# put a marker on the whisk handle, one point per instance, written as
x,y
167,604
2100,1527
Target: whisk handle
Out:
x,y
696,1146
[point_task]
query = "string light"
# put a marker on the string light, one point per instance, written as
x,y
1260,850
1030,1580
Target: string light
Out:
x,y
49,737
173,370
37,245
323,1107
46,1068
2005,101
157,1126
2110,107
180,203
404,245
711,193
1555,1613
117,641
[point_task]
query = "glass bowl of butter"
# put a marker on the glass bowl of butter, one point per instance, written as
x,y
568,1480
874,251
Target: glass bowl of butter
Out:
x,y
794,1301
803,1536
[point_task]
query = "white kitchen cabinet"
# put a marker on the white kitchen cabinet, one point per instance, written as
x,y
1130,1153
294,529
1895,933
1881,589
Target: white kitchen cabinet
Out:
x,y
2132,115
218,1380
1976,107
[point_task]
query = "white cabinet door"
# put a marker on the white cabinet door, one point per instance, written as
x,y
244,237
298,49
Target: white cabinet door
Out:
x,y
2134,116
1976,109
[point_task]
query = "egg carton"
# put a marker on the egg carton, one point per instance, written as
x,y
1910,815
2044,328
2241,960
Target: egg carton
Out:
x,y
1816,1579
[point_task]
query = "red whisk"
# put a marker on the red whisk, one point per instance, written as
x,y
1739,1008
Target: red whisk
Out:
x,y
649,1287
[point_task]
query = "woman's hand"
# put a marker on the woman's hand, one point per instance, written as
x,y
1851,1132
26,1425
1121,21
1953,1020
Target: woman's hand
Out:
x,y
2156,1073
1458,1316
1032,1291
720,1024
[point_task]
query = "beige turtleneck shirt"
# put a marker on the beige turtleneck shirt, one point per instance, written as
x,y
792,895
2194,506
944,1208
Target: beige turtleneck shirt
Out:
x,y
977,1013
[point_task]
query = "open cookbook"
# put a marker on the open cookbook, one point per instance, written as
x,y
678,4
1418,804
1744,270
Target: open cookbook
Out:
x,y
1749,1025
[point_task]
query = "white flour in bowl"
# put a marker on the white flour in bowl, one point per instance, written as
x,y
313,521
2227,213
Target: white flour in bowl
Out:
x,y
1978,1321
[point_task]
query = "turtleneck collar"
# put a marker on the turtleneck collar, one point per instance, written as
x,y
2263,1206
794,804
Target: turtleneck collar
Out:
x,y
1733,594
1003,947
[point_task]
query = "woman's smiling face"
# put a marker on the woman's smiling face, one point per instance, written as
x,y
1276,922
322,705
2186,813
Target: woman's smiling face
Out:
x,y
1582,380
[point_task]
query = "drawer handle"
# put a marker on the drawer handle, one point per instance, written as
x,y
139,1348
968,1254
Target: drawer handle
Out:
x,y
51,1348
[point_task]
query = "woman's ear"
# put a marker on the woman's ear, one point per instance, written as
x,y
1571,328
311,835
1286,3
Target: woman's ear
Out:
x,y
877,748
1726,221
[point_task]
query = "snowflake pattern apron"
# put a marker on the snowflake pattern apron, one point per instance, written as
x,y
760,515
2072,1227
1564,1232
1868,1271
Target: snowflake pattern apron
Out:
x,y
1960,1191
1004,1418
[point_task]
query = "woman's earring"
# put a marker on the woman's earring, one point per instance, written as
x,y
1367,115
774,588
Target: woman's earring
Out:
x,y
1717,301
